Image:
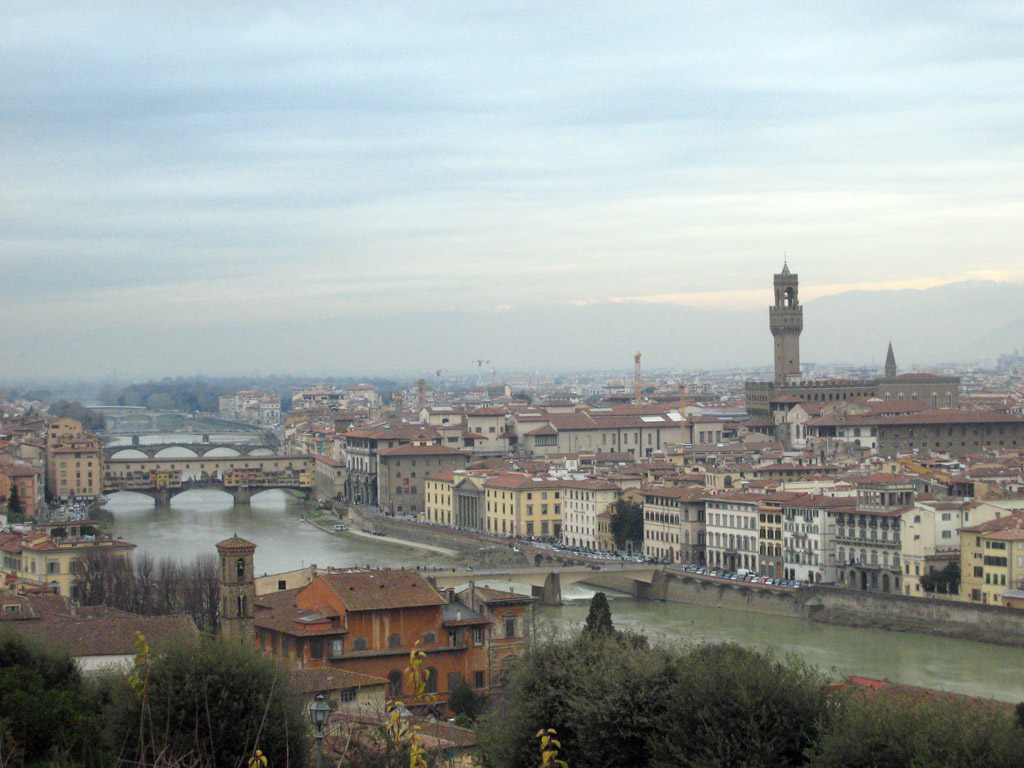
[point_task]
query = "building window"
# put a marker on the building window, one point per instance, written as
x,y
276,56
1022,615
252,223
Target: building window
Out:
x,y
316,648
394,641
431,681
478,679
359,644
429,638
510,625
336,648
395,683
478,636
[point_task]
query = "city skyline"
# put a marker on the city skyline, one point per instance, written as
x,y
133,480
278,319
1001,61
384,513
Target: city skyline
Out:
x,y
183,179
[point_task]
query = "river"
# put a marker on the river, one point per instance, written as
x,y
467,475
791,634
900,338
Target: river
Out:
x,y
193,522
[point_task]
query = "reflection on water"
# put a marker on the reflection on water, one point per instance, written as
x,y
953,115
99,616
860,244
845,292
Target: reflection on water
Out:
x,y
196,520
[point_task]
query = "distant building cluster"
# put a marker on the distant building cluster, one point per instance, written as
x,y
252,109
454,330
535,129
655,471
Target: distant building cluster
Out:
x,y
251,407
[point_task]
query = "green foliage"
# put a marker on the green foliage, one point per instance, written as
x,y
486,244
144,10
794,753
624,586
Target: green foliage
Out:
x,y
710,706
946,581
892,730
599,618
90,419
209,703
731,706
627,525
15,509
46,716
464,702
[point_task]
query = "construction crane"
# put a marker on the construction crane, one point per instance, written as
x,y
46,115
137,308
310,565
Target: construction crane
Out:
x,y
481,363
638,380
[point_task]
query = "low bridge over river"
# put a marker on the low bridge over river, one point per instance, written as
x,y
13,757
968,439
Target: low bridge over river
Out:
x,y
647,582
546,583
240,476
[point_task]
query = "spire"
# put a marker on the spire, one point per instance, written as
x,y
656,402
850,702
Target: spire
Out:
x,y
785,264
890,363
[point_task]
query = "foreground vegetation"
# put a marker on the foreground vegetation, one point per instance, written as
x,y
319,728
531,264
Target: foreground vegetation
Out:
x,y
614,702
202,704
601,698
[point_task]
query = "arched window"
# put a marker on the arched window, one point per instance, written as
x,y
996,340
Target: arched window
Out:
x,y
429,638
359,644
240,600
395,683
240,569
935,399
394,641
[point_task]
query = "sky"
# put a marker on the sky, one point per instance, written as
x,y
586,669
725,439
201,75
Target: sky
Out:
x,y
201,171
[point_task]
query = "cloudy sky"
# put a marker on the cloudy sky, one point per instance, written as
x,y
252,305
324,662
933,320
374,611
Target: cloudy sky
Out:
x,y
191,171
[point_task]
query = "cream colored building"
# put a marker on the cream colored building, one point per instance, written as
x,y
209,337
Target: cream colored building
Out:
x,y
582,502
46,557
674,523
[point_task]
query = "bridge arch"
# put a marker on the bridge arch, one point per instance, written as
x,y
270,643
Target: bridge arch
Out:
x,y
260,452
222,451
130,453
176,452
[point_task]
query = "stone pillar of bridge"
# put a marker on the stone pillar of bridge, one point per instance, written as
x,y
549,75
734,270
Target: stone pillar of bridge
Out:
x,y
206,438
162,496
242,495
135,440
656,590
551,592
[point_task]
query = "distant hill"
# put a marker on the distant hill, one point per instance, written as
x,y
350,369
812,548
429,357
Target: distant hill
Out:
x,y
963,322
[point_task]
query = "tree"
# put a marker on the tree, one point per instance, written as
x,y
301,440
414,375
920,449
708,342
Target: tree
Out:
x,y
15,509
627,525
46,716
893,729
599,619
946,581
206,702
465,703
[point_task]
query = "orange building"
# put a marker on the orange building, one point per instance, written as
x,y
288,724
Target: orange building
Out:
x,y
367,621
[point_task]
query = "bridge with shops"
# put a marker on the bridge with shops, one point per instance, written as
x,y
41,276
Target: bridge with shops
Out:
x,y
153,450
240,476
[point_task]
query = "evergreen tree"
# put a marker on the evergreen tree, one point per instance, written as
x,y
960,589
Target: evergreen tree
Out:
x,y
15,509
599,620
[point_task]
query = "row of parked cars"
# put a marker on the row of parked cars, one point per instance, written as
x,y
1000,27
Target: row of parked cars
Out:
x,y
740,575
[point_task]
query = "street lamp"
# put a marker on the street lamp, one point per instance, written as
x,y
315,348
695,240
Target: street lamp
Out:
x,y
319,713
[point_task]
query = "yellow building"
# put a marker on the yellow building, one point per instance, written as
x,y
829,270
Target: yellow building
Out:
x,y
520,505
992,559
74,461
46,557
437,507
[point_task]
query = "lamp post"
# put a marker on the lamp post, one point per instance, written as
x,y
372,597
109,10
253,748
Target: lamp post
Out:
x,y
319,713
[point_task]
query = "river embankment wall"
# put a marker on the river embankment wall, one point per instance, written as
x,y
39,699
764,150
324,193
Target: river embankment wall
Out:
x,y
831,605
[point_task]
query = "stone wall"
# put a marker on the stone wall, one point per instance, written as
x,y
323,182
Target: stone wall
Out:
x,y
831,605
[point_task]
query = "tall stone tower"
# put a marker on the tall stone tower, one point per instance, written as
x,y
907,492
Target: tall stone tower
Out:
x,y
786,320
890,363
237,590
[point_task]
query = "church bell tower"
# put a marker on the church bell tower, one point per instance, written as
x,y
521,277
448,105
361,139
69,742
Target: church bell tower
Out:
x,y
786,320
237,590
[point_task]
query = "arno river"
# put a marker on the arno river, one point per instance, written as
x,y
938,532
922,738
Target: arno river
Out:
x,y
195,521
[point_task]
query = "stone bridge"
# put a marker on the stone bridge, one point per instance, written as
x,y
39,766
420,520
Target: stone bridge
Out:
x,y
240,476
546,583
646,582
